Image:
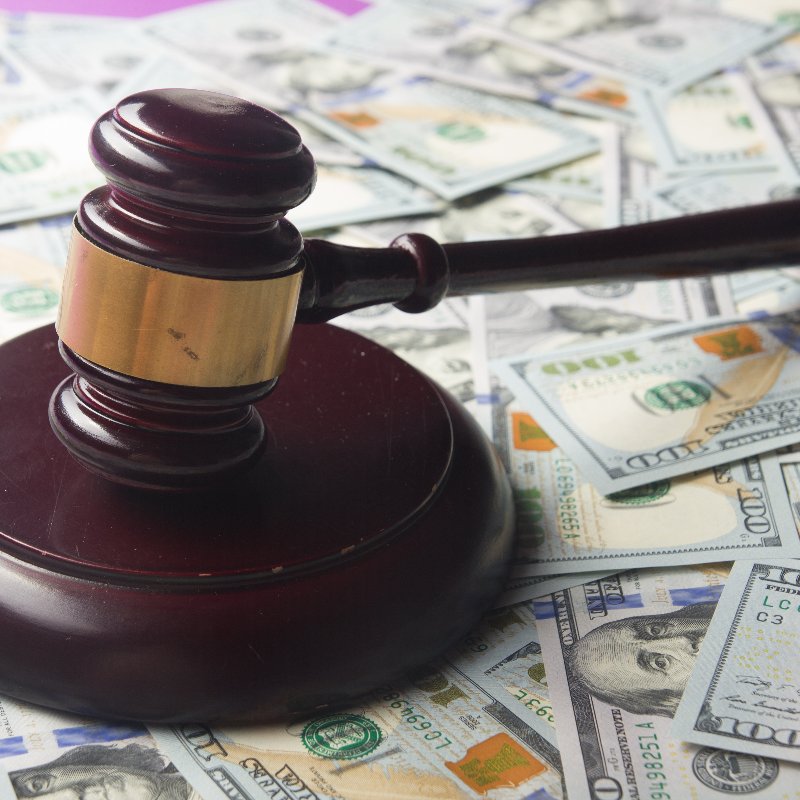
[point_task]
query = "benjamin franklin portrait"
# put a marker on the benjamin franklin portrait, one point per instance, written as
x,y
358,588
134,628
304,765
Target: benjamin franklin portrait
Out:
x,y
104,772
641,664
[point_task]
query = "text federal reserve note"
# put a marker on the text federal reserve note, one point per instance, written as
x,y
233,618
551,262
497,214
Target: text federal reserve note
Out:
x,y
744,693
674,401
618,653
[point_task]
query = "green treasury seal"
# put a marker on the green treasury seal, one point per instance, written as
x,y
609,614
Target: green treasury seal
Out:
x,y
677,395
29,300
342,736
641,495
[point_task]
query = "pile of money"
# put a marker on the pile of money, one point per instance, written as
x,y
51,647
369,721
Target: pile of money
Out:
x,y
646,645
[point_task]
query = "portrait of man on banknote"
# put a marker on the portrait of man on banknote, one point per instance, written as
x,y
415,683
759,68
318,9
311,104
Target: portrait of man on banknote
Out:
x,y
304,72
552,20
522,323
501,59
104,772
641,664
502,214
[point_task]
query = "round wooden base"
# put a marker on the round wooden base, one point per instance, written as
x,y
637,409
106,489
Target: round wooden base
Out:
x,y
371,535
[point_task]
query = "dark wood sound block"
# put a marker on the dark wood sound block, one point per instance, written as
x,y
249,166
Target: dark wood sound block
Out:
x,y
372,533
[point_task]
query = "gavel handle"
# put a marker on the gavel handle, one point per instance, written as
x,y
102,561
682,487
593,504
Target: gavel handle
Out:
x,y
415,272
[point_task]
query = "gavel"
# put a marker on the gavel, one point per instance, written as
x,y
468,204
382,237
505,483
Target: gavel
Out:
x,y
204,547
184,273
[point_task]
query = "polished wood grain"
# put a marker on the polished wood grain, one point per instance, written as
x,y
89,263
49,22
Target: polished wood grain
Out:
x,y
339,279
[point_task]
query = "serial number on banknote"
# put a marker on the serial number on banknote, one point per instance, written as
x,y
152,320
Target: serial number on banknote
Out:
x,y
535,704
415,719
650,752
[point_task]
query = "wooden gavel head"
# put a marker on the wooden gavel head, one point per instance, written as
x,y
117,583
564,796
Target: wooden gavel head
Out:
x,y
181,288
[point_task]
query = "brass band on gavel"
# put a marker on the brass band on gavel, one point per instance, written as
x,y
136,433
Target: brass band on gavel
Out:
x,y
174,328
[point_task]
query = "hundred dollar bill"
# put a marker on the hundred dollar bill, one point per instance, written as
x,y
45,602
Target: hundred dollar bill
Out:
x,y
663,53
441,735
303,76
345,195
736,510
744,691
195,751
717,190
276,54
617,654
681,399
49,754
42,173
450,139
454,48
716,124
32,257
544,320
67,60
239,29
